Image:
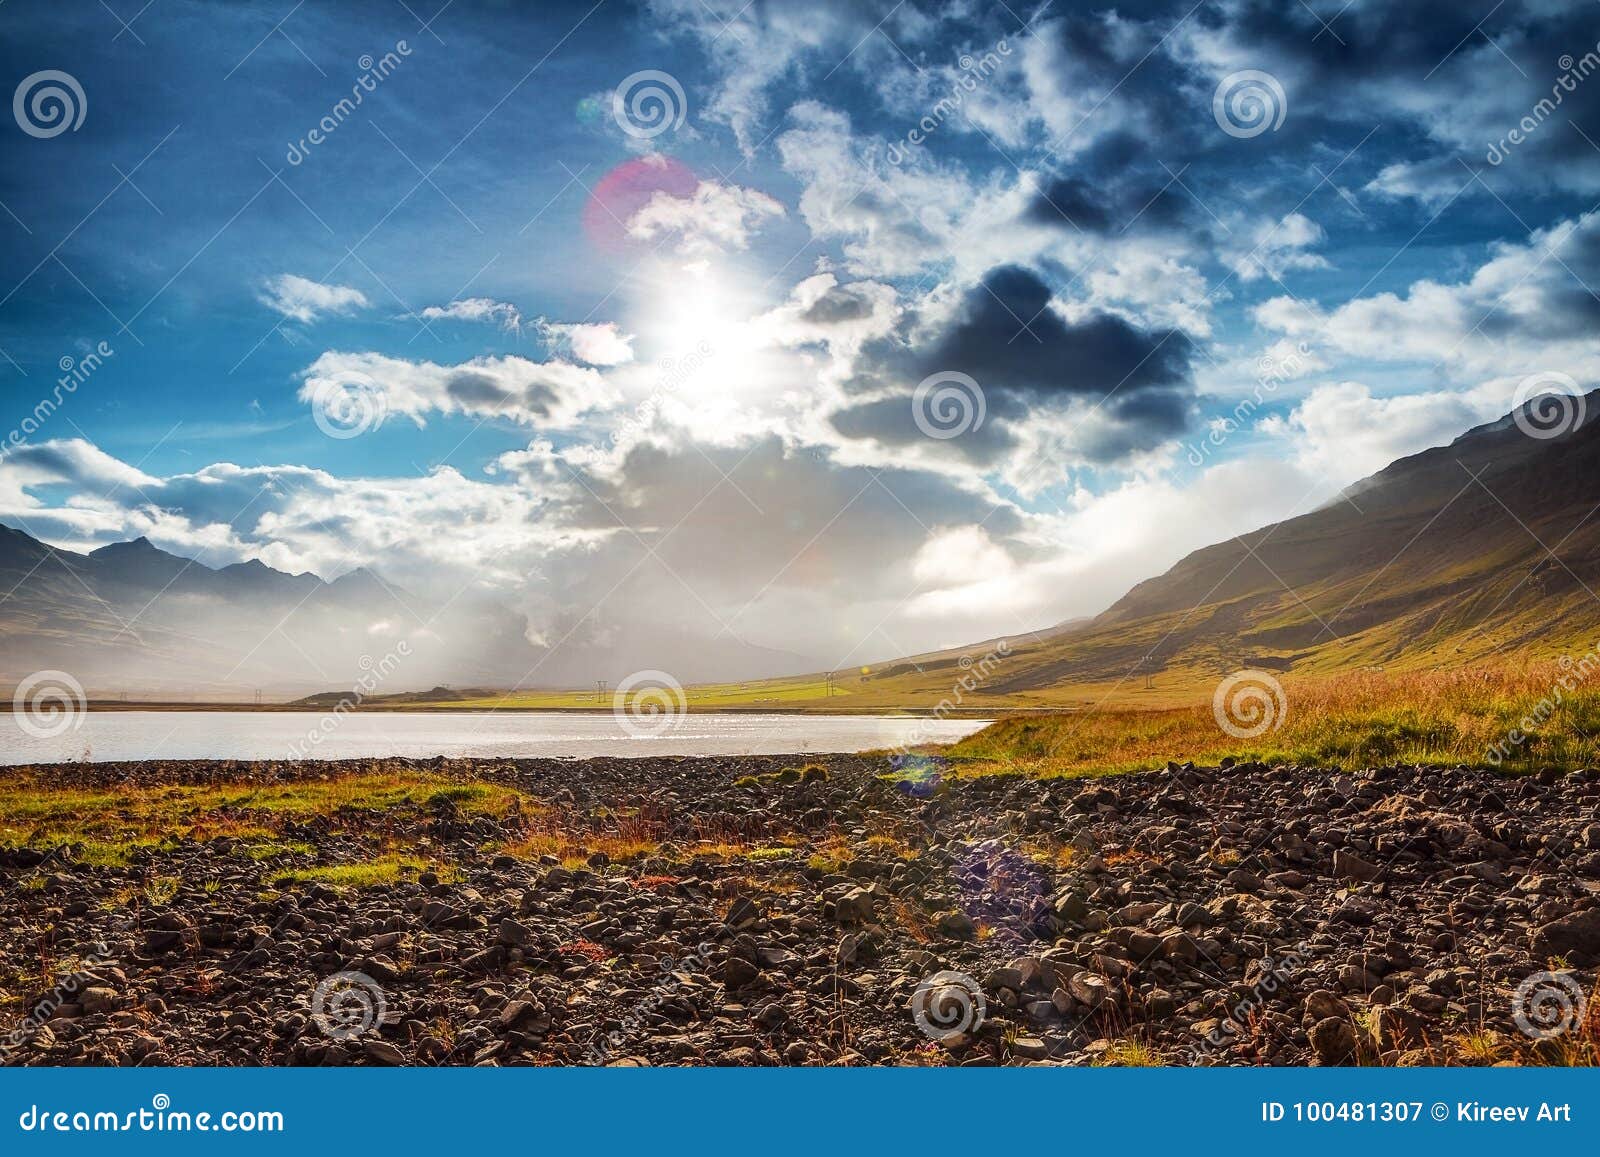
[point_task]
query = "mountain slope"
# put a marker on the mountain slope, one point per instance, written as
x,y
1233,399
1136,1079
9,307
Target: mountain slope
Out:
x,y
1440,558
1437,561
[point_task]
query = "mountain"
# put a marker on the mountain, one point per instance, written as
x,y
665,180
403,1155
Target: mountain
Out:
x,y
1484,547
1488,546
130,616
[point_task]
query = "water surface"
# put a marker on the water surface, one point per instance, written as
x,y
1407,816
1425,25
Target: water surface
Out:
x,y
104,736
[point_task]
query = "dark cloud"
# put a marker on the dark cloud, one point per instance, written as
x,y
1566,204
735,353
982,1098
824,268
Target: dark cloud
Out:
x,y
1075,203
1129,388
892,421
839,304
1009,339
481,391
1469,78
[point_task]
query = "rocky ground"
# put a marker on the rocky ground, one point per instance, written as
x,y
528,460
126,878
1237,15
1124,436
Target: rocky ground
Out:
x,y
1247,915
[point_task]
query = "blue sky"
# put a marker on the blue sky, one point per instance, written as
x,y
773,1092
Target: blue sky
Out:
x,y
493,333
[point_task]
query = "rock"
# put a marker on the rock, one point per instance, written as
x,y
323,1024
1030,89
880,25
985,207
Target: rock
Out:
x,y
1349,866
738,972
1180,946
489,960
98,998
957,924
1355,978
1029,1048
515,1012
1322,1004
1577,935
381,1052
1143,945
1090,989
847,903
513,934
1397,1028
1334,1041
744,912
1005,978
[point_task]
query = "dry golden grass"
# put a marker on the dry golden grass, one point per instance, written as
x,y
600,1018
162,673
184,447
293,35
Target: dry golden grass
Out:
x,y
1468,716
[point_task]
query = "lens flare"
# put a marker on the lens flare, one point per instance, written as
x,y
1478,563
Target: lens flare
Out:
x,y
625,190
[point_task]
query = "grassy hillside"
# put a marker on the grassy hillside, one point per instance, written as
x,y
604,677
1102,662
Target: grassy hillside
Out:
x,y
1521,716
1470,554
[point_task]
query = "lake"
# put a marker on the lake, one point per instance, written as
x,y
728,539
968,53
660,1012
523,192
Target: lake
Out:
x,y
107,736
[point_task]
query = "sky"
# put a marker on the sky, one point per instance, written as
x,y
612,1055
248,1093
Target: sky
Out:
x,y
740,340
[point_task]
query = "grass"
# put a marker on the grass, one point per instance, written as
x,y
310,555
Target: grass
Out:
x,y
105,827
1467,716
379,816
1130,1053
384,870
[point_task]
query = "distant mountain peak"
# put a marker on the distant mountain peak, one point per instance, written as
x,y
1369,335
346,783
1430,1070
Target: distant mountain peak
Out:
x,y
140,545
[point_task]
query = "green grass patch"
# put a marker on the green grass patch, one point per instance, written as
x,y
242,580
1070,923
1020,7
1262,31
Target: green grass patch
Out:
x,y
105,827
384,870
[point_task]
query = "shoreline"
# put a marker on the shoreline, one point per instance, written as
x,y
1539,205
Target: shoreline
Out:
x,y
148,706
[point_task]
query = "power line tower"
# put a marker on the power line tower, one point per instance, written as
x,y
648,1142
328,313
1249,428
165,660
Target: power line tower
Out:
x,y
600,686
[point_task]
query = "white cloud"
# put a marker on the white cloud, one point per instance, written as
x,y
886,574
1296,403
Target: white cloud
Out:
x,y
601,344
481,309
1527,309
550,395
303,300
1343,433
1279,247
714,219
